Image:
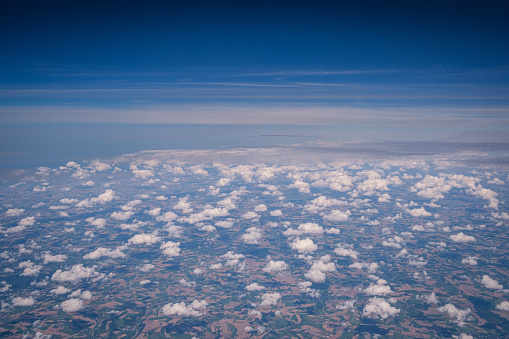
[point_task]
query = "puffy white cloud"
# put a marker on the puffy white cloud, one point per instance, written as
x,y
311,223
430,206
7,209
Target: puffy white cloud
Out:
x,y
250,215
379,288
123,216
232,259
459,315
208,228
503,306
184,310
183,205
337,216
379,307
60,290
304,245
305,287
319,204
419,212
469,261
103,198
146,267
310,228
72,305
302,186
54,258
332,230
276,213
130,205
252,236
370,267
491,283
75,274
98,166
19,301
254,287
224,224
346,252
275,266
30,269
105,252
429,298
461,237
167,217
84,295
142,174
14,212
97,222
145,281
347,305
144,238
317,271
171,249
154,211
260,208
270,298
5,287
207,214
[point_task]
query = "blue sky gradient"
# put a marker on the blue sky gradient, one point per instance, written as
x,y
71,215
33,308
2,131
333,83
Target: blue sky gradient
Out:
x,y
363,63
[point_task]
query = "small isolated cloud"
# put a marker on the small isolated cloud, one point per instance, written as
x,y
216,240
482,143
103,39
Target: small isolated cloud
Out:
x,y
84,295
379,288
459,316
75,274
252,236
276,213
275,266
304,245
305,287
429,298
379,307
270,298
97,222
310,228
346,252
370,267
14,212
184,310
19,301
105,252
503,306
71,305
461,237
419,212
260,208
250,215
30,269
469,261
491,283
254,287
171,249
60,290
143,238
337,216
317,271
123,216
54,258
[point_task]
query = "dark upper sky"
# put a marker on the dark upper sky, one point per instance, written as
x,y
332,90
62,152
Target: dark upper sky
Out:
x,y
357,53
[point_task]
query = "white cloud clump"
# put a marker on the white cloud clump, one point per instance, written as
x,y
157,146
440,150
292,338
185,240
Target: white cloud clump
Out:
x,y
491,283
270,298
252,236
304,245
379,288
275,266
60,290
75,274
105,252
461,237
346,251
459,315
254,287
54,258
71,305
337,216
19,301
429,298
143,238
171,249
379,307
503,306
317,271
14,212
184,310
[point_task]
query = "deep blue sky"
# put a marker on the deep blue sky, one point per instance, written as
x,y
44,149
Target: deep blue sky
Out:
x,y
190,61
